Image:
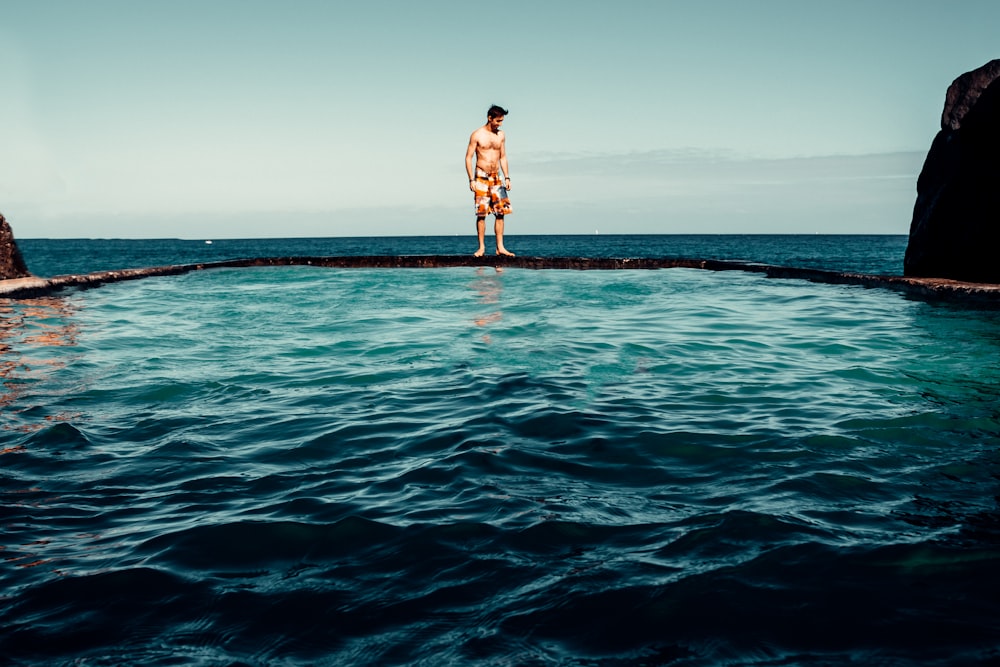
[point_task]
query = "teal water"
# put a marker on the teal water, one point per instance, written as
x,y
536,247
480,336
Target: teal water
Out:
x,y
304,466
880,254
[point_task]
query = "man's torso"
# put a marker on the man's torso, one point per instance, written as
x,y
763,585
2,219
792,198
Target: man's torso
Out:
x,y
488,146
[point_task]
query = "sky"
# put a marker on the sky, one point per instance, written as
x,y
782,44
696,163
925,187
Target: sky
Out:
x,y
298,118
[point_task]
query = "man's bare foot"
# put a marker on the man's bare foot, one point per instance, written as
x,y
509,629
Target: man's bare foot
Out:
x,y
504,252
479,253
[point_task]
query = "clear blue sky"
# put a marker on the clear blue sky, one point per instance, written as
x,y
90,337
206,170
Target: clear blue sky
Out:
x,y
246,118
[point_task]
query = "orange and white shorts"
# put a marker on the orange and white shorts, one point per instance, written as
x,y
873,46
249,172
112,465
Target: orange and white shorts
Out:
x,y
491,195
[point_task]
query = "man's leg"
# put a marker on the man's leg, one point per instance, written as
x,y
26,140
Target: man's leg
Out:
x,y
498,229
481,235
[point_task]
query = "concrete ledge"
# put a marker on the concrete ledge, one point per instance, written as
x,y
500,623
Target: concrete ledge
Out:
x,y
926,288
14,287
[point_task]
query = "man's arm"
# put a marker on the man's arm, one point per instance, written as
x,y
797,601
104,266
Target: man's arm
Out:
x,y
470,160
503,160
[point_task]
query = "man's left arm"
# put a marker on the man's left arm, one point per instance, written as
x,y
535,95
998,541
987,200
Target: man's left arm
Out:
x,y
503,162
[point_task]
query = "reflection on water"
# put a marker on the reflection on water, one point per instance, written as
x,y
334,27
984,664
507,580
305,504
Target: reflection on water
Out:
x,y
27,327
489,287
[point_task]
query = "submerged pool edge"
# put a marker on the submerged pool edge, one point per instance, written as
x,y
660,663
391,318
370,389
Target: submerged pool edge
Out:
x,y
924,288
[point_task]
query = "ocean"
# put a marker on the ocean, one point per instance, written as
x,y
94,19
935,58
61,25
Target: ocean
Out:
x,y
480,466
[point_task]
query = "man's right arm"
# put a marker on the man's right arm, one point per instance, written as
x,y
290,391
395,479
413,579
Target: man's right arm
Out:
x,y
470,160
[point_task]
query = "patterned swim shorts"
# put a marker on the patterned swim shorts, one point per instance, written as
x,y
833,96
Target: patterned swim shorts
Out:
x,y
491,195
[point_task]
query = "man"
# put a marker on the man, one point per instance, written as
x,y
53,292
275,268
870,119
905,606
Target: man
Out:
x,y
485,158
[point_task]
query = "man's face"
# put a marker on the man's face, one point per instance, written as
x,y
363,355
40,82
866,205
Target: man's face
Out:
x,y
495,123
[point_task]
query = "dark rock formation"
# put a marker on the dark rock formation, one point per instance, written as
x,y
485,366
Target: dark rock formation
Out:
x,y
11,263
955,232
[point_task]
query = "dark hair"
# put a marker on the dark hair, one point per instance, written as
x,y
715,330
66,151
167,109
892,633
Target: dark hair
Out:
x,y
496,111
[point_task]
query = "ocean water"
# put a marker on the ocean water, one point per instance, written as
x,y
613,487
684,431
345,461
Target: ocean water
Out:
x,y
879,254
467,466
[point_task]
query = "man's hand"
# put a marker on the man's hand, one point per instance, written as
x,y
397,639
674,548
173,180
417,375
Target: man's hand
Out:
x,y
472,185
506,183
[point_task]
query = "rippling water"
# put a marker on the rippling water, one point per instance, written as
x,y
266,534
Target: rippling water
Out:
x,y
302,466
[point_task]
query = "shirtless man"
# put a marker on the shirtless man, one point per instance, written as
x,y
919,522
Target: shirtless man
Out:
x,y
486,156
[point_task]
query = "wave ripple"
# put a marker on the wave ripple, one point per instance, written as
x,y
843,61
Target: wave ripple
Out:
x,y
458,466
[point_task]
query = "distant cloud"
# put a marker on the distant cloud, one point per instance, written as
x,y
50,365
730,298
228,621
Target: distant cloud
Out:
x,y
691,191
699,162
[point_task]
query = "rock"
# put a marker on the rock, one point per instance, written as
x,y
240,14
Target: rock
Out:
x,y
11,263
955,231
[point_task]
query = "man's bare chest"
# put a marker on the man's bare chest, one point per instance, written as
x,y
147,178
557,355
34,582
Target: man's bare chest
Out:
x,y
489,142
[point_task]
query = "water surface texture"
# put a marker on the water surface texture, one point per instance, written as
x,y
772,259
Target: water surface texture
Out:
x,y
305,466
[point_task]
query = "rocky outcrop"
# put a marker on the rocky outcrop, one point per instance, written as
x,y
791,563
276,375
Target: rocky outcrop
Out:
x,y
955,231
11,263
